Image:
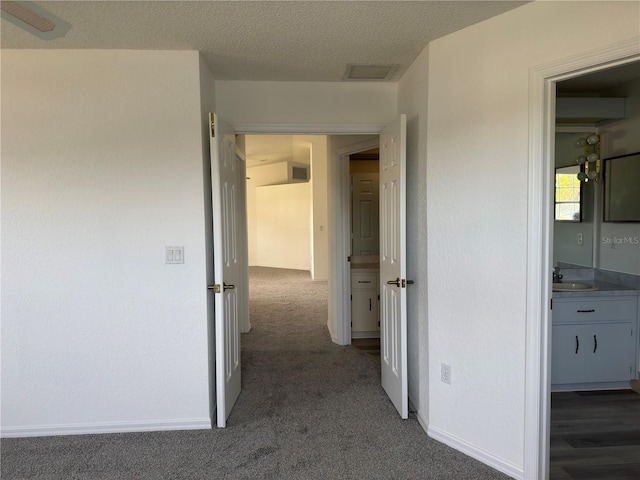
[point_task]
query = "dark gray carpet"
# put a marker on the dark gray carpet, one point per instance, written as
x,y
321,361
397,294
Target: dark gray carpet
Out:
x,y
309,409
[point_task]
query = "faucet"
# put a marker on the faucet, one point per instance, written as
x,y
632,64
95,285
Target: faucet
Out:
x,y
557,276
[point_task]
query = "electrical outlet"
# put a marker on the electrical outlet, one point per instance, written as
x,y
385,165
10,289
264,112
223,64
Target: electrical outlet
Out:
x,y
445,373
580,239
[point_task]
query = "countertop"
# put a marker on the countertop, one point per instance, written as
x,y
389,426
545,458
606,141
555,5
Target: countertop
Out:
x,y
365,267
604,289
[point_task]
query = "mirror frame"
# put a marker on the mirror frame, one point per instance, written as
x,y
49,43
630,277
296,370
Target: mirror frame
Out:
x,y
607,194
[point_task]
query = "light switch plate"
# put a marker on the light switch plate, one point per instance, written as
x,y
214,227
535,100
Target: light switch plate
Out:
x,y
173,255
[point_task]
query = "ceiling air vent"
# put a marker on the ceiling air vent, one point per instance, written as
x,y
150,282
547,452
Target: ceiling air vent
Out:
x,y
362,73
298,172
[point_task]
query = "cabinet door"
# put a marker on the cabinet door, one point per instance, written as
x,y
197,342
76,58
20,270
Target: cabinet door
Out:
x,y
609,355
597,352
364,311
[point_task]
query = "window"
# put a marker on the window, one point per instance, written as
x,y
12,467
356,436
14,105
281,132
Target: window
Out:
x,y
568,191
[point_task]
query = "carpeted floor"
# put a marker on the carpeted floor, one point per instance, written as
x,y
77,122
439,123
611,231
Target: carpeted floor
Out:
x,y
309,409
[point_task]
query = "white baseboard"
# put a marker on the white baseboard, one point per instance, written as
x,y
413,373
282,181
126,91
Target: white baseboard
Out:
x,y
475,452
106,427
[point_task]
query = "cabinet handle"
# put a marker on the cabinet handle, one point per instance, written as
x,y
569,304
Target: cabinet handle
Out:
x,y
577,344
586,311
595,343
369,304
364,281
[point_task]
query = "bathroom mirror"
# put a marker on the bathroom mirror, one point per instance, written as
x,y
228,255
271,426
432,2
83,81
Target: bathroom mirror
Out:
x,y
573,235
622,188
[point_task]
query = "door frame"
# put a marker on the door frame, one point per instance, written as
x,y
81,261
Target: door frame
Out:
x,y
340,225
542,80
338,221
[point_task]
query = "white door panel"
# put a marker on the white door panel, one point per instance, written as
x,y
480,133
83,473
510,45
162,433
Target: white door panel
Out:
x,y
393,281
226,215
365,214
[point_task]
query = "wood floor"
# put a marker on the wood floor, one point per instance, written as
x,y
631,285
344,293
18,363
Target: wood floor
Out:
x,y
369,345
595,435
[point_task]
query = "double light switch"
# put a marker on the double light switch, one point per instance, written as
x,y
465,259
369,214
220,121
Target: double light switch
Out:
x,y
173,255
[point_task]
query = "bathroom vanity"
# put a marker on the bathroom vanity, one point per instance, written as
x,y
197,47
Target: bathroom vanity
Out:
x,y
365,297
594,338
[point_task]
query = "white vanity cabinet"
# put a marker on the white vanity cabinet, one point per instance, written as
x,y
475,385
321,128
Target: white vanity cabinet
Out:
x,y
594,341
365,305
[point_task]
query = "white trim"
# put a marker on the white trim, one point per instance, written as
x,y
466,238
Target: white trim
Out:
x,y
476,452
540,227
309,128
339,222
107,427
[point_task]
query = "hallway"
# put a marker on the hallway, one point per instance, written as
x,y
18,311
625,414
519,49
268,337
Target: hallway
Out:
x,y
309,409
318,407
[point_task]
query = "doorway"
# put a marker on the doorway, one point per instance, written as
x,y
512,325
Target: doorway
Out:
x,y
364,259
594,411
290,219
540,221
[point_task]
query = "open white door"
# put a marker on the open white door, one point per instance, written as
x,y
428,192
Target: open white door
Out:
x,y
226,265
393,255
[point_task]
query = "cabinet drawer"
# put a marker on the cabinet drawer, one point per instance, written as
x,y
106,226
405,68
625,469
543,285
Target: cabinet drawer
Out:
x,y
594,309
364,281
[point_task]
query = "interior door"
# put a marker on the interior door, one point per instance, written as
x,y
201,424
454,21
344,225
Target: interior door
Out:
x,y
226,265
364,214
393,282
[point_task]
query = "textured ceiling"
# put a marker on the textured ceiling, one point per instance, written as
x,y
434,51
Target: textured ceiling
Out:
x,y
264,40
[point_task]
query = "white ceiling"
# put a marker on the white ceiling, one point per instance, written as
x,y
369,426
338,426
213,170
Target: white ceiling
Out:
x,y
264,40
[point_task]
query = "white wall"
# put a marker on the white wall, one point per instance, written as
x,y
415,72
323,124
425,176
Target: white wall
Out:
x,y
477,181
306,107
622,138
412,100
102,167
283,214
320,207
274,173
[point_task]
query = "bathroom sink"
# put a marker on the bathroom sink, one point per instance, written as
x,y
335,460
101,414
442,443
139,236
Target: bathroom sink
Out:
x,y
573,287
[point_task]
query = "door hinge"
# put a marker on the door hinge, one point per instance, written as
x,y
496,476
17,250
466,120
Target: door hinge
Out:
x,y
351,297
349,258
551,304
212,122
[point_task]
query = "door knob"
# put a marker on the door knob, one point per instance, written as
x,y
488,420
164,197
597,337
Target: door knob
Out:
x,y
395,282
229,286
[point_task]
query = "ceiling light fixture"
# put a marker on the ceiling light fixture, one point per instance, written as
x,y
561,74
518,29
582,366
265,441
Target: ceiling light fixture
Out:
x,y
590,159
28,16
34,19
